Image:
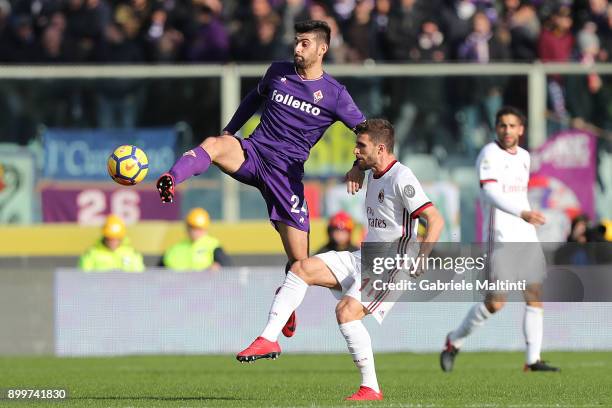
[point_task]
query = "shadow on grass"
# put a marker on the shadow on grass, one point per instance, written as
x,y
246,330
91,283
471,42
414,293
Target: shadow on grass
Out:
x,y
161,398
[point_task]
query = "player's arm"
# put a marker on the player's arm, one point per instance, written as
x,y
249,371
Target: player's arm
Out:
x,y
435,224
349,114
354,179
489,174
492,193
248,106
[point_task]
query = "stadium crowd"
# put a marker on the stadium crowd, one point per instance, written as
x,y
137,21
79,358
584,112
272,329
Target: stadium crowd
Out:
x,y
439,115
166,31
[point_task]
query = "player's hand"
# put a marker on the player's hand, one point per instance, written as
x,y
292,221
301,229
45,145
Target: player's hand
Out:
x,y
533,217
416,271
226,133
354,180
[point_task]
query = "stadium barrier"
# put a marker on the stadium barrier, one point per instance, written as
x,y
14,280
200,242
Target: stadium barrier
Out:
x,y
160,312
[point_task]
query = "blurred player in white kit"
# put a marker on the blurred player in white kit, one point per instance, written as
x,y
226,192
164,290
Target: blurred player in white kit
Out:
x,y
509,228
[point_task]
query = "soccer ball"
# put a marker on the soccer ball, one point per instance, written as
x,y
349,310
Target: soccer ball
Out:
x,y
128,165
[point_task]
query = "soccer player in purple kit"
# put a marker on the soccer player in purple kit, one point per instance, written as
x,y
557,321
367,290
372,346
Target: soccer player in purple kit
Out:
x,y
300,101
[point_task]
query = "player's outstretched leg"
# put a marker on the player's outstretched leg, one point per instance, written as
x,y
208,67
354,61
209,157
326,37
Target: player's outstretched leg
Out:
x,y
191,163
475,318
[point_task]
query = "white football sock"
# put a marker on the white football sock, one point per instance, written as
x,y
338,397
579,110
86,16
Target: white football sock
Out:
x,y
285,302
533,328
475,318
360,346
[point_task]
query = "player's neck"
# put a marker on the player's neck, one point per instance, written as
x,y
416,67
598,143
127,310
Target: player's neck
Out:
x,y
383,166
512,149
314,72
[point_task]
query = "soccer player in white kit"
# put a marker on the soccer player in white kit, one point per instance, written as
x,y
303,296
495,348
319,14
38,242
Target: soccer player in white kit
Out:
x,y
509,227
394,202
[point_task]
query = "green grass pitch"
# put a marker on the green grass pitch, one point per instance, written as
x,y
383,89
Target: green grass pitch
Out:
x,y
408,380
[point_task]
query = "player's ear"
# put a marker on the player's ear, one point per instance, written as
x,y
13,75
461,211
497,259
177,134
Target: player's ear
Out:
x,y
323,49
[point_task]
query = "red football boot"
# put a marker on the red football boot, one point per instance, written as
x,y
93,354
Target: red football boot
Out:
x,y
260,348
365,394
165,186
290,326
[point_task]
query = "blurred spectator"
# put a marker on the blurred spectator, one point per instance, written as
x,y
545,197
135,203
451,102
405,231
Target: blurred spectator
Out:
x,y
482,96
418,128
338,49
247,28
555,45
292,12
267,45
113,252
85,23
521,20
359,37
456,18
22,45
403,29
381,16
164,43
339,232
586,96
210,42
199,251
431,44
118,97
585,244
359,33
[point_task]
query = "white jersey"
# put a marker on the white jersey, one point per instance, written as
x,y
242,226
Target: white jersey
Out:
x,y
394,200
511,171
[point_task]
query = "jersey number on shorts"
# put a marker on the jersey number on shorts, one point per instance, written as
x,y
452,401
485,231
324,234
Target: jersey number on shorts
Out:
x,y
295,200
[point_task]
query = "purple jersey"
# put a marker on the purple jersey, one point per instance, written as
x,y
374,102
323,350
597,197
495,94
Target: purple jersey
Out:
x,y
298,111
296,114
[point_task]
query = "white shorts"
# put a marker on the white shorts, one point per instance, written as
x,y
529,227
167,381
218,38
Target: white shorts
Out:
x,y
516,262
346,267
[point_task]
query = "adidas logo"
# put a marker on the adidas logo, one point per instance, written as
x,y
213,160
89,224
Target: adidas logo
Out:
x,y
295,103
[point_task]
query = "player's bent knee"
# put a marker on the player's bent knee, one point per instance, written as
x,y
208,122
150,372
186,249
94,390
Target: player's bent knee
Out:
x,y
211,145
494,306
308,270
216,145
349,309
297,269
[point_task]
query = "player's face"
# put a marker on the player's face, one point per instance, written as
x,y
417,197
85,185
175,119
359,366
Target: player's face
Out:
x,y
509,129
308,51
366,152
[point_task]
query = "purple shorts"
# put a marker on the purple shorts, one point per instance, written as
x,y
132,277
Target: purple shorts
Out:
x,y
282,191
